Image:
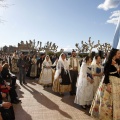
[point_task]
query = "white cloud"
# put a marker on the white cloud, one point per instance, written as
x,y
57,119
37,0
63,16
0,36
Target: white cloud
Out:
x,y
108,4
115,13
113,21
114,17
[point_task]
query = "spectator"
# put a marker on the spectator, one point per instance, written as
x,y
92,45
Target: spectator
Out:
x,y
5,88
7,75
6,109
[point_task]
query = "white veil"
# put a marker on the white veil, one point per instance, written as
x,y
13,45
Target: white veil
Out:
x,y
82,74
46,59
65,63
93,61
59,64
58,67
46,62
84,60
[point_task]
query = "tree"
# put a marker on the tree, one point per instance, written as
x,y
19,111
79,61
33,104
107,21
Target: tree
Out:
x,y
86,47
49,46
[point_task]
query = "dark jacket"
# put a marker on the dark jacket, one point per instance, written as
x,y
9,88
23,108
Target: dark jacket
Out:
x,y
21,63
5,74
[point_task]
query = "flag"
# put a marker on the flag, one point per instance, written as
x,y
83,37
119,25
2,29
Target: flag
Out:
x,y
117,35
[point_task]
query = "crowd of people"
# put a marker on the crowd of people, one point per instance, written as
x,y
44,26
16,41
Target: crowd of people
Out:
x,y
94,82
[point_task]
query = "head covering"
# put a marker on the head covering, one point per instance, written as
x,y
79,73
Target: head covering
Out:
x,y
116,43
46,59
60,57
82,75
84,60
93,61
58,67
65,64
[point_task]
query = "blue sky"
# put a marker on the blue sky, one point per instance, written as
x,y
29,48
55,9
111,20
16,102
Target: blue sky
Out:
x,y
64,22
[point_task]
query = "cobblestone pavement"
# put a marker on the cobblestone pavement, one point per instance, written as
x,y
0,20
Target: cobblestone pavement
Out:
x,y
40,103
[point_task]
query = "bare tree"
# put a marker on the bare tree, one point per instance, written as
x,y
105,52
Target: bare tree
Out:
x,y
33,45
104,47
107,47
49,46
86,47
79,49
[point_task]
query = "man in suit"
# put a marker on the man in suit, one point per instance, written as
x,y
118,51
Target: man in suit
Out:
x,y
74,67
21,65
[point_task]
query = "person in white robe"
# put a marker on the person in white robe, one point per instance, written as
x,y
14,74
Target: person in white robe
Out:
x,y
97,72
84,93
46,74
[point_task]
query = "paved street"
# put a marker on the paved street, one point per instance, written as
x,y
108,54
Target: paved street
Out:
x,y
43,104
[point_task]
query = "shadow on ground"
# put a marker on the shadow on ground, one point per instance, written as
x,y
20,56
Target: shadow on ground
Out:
x,y
68,99
20,113
45,101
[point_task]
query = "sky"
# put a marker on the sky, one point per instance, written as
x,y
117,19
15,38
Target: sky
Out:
x,y
63,22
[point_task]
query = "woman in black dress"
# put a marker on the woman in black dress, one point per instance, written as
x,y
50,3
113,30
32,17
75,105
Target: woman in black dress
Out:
x,y
62,80
106,105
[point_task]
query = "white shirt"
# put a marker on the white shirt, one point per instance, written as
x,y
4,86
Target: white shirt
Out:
x,y
75,62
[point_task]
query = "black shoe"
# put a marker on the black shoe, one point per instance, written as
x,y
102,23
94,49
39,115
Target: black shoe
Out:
x,y
21,84
15,87
74,93
14,102
71,93
83,107
88,106
61,94
18,100
24,83
44,86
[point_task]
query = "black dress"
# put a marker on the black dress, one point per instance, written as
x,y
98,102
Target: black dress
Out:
x,y
65,77
113,71
107,101
61,83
